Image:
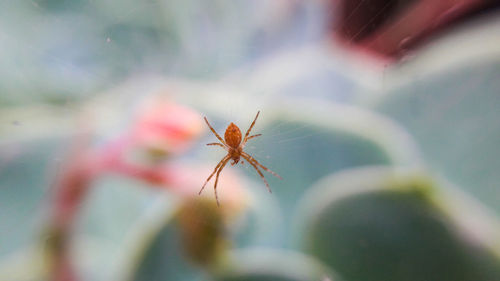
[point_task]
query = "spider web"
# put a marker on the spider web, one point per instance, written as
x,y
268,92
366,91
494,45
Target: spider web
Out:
x,y
64,52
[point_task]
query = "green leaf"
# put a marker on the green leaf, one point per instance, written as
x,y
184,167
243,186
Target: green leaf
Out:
x,y
302,146
273,265
24,181
453,116
384,224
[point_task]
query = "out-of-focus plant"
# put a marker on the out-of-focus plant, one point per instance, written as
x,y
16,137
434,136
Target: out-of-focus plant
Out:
x,y
378,190
392,224
161,130
346,224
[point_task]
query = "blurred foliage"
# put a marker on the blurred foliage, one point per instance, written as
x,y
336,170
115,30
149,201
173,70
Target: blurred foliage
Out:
x,y
454,117
67,50
24,182
344,209
394,232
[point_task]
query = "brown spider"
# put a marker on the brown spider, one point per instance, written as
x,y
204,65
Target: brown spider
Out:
x,y
234,146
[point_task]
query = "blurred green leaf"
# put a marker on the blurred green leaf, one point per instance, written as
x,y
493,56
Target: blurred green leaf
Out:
x,y
303,146
380,225
165,259
453,116
25,176
276,265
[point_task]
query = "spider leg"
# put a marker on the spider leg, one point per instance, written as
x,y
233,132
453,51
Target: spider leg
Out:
x,y
216,143
250,158
258,171
217,180
253,136
250,128
215,170
213,131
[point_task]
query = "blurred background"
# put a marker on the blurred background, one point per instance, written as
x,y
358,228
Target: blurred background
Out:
x,y
380,116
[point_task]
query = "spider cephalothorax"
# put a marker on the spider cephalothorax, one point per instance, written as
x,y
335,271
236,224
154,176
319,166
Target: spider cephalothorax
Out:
x,y
234,145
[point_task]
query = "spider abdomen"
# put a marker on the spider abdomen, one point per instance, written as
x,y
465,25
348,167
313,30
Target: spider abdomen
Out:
x,y
232,136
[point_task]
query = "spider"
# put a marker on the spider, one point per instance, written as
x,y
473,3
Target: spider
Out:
x,y
233,144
